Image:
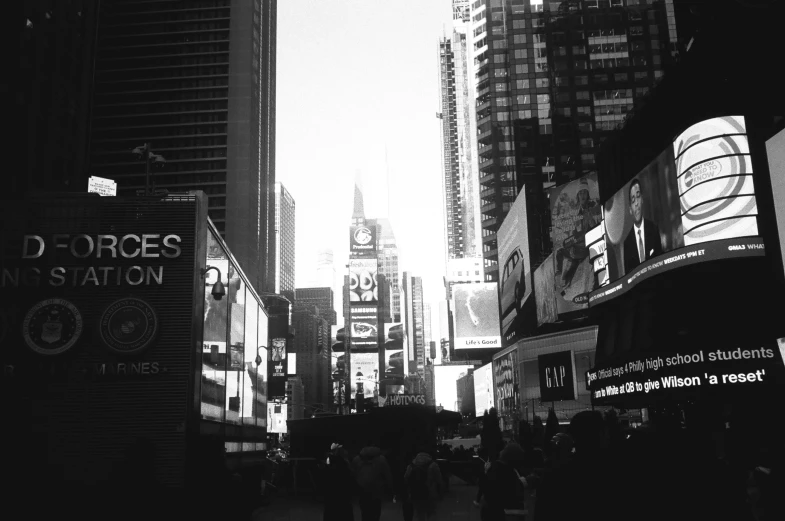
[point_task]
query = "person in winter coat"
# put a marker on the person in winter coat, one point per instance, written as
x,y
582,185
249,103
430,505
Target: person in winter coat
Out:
x,y
424,482
503,488
339,485
374,480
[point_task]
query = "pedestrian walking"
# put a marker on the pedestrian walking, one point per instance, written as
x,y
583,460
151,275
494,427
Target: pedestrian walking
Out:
x,y
339,486
374,480
503,490
424,483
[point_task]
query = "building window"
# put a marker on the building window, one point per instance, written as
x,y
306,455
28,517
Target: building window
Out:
x,y
582,95
581,80
521,54
519,38
500,87
519,24
541,82
521,68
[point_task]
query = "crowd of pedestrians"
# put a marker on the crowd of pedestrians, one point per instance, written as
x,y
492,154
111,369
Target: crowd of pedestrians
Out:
x,y
414,480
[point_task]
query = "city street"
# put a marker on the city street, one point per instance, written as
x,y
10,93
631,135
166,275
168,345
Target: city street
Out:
x,y
456,506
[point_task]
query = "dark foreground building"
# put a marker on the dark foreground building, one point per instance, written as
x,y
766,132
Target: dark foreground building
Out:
x,y
119,362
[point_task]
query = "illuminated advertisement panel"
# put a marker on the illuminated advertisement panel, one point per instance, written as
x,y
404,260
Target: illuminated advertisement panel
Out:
x,y
365,373
514,269
276,417
545,292
363,288
575,209
695,202
362,241
476,316
712,370
483,389
364,328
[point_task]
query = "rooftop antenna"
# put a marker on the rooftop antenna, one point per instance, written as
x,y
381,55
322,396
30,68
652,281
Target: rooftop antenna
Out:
x,y
387,166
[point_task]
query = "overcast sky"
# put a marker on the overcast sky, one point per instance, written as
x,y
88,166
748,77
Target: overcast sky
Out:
x,y
356,77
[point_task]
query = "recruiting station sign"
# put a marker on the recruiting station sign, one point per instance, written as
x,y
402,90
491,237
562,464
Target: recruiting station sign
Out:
x,y
103,304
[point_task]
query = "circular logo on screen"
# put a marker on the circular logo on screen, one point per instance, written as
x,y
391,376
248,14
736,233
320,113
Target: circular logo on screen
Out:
x,y
702,172
128,326
362,235
52,327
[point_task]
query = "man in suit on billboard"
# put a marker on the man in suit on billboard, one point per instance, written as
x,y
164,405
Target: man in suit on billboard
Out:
x,y
643,242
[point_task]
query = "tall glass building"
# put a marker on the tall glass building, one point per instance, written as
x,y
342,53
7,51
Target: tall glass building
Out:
x,y
196,80
459,137
552,79
284,242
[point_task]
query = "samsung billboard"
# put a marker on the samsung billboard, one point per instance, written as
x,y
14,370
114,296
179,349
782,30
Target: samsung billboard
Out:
x,y
476,316
695,202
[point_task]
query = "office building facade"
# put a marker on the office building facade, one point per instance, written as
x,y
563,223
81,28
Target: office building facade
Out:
x,y
284,242
413,323
322,298
387,255
196,80
459,137
49,84
551,81
312,348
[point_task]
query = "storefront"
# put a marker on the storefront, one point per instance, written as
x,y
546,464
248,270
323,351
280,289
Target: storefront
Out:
x,y
553,368
110,333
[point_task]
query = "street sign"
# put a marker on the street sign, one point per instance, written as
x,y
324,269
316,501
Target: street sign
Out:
x,y
101,186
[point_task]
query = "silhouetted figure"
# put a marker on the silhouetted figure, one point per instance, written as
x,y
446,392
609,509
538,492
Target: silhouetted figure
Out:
x,y
374,479
503,488
491,435
424,483
587,479
339,486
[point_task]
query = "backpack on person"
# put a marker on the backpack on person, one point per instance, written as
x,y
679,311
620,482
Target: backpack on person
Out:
x,y
418,483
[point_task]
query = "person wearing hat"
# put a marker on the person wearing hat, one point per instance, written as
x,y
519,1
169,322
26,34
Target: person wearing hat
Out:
x,y
504,486
339,485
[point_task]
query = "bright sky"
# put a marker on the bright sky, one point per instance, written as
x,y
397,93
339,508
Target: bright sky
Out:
x,y
355,77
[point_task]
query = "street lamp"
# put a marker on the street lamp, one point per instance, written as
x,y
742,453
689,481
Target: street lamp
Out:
x,y
218,290
145,153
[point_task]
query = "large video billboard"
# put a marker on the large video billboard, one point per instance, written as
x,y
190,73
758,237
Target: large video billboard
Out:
x,y
514,269
695,202
476,316
575,209
364,328
364,369
483,389
362,241
363,288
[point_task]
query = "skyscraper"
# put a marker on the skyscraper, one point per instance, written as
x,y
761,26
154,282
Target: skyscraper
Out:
x,y
48,83
388,263
459,137
312,348
552,79
322,298
413,322
284,242
196,80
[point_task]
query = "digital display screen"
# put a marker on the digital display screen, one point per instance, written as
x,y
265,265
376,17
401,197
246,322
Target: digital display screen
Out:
x,y
695,202
476,316
363,288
